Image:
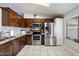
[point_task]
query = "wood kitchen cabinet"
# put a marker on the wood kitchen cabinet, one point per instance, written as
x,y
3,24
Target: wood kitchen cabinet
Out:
x,y
2,50
11,18
5,17
22,42
9,48
42,39
6,49
38,20
8,17
14,19
25,39
19,43
16,43
29,39
28,22
23,23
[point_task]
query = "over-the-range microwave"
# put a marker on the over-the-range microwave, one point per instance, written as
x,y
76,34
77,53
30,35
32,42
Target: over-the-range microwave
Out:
x,y
35,25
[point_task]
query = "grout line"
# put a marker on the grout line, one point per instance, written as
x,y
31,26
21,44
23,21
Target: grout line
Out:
x,y
55,51
38,50
71,50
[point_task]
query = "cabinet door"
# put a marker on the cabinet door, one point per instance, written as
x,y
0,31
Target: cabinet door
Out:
x,y
5,17
16,46
14,19
18,22
23,23
12,14
42,39
28,22
2,50
25,37
11,18
9,48
15,22
6,49
21,42
29,40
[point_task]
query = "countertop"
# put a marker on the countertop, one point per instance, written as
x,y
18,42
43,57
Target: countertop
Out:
x,y
29,33
9,39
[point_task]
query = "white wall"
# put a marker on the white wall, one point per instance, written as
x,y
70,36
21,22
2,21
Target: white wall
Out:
x,y
58,30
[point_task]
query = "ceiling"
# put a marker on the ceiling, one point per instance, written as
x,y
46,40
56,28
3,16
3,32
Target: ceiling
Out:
x,y
54,9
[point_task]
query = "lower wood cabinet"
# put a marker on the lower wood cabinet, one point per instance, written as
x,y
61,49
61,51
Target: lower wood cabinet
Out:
x,y
42,39
29,39
2,49
16,46
22,41
11,48
6,49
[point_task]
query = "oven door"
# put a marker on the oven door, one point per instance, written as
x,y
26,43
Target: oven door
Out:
x,y
36,37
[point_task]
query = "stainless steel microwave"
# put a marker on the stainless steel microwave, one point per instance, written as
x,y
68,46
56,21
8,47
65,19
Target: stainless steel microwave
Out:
x,y
35,25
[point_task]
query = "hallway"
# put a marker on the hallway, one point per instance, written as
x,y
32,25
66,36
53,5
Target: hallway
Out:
x,y
30,50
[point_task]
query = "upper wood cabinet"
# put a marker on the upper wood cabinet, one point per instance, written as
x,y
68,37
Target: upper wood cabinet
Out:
x,y
38,20
28,22
11,18
5,17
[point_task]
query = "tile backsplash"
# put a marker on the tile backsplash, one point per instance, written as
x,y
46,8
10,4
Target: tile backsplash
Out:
x,y
14,31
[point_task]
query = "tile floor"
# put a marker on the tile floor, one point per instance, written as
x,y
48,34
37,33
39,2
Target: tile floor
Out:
x,y
31,50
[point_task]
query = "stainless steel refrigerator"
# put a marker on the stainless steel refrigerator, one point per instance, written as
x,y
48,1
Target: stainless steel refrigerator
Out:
x,y
49,33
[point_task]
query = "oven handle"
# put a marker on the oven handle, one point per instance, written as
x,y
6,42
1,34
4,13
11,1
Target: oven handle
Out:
x,y
36,35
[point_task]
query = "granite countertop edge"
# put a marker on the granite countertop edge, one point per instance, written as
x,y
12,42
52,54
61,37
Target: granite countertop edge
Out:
x,y
10,39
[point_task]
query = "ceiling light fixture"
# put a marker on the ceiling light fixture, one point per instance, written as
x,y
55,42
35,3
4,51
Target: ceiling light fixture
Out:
x,y
43,4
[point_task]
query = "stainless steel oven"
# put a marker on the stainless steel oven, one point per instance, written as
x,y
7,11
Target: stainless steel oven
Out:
x,y
36,33
36,37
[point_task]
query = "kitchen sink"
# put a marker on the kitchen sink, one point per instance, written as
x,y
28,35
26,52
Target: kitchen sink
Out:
x,y
4,38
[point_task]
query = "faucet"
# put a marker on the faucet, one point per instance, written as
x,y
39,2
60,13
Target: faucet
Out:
x,y
3,33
